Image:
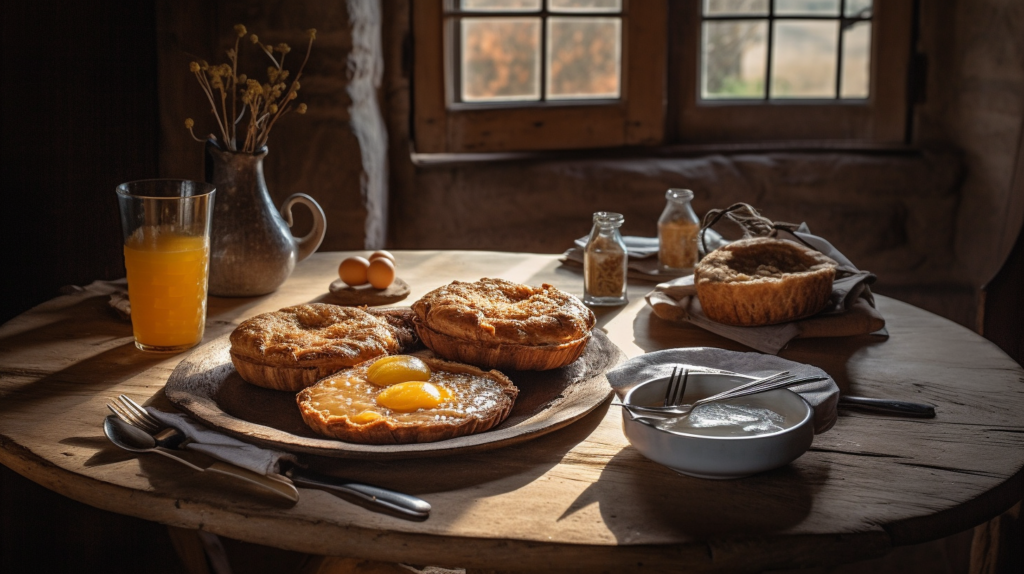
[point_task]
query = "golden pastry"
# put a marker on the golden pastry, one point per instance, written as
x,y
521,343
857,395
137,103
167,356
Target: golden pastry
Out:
x,y
496,323
290,349
763,281
407,399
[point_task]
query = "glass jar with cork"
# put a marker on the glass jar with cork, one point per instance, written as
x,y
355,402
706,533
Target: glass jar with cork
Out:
x,y
678,228
604,262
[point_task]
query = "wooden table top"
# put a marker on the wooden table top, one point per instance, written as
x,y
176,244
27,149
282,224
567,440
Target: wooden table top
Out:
x,y
578,498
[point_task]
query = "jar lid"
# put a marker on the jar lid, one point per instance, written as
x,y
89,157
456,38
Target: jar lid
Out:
x,y
677,194
608,218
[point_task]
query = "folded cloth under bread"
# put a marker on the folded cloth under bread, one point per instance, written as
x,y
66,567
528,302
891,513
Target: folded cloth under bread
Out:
x,y
851,309
823,396
222,447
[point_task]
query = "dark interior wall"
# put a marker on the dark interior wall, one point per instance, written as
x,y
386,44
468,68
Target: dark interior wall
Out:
x,y
79,116
974,101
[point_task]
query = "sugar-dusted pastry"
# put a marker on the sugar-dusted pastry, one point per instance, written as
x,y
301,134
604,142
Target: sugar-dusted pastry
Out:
x,y
290,349
762,281
407,399
496,323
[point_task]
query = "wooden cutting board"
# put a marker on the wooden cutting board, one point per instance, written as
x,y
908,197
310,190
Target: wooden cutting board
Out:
x,y
206,385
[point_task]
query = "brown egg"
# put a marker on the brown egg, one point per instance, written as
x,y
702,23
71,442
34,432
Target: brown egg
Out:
x,y
353,271
381,272
382,253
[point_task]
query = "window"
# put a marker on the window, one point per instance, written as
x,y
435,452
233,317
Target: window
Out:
x,y
502,75
777,70
524,50
787,49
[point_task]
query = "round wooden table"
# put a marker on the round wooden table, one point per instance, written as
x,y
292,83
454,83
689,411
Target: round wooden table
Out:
x,y
579,498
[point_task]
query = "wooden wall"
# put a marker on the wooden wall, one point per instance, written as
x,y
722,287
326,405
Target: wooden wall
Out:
x,y
79,105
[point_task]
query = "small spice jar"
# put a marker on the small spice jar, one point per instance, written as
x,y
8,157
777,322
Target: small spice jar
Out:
x,y
604,262
678,228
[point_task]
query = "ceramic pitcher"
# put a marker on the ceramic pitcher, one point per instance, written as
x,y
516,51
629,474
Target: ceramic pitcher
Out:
x,y
252,249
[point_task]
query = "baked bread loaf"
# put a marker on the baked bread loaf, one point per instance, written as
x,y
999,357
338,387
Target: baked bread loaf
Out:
x,y
763,281
499,324
290,349
345,405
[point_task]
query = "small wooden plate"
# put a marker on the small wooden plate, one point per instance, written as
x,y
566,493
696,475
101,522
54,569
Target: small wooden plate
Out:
x,y
367,294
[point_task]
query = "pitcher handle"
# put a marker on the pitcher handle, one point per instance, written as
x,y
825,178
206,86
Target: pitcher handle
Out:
x,y
308,244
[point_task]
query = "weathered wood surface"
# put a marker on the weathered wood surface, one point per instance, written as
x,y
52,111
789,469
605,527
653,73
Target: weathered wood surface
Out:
x,y
580,498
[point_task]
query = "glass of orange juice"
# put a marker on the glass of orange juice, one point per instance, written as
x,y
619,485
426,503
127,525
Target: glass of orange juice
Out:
x,y
166,226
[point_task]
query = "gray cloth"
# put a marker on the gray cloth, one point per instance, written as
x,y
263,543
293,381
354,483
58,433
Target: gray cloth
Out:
x,y
851,309
823,396
222,447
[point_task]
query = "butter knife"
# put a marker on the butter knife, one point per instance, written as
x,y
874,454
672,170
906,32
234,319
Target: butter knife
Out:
x,y
174,438
889,406
137,440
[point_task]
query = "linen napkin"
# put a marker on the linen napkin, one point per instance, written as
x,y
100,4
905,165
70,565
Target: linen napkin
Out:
x,y
224,448
823,396
642,253
851,309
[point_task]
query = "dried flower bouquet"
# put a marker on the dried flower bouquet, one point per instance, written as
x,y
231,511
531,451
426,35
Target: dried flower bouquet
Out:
x,y
265,102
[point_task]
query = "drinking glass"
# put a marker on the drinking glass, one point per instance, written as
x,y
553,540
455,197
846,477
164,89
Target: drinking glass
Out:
x,y
166,226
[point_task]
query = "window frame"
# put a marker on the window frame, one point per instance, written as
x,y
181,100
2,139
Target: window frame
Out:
x,y
440,125
879,119
659,103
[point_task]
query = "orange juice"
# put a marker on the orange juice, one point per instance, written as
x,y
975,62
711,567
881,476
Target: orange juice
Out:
x,y
167,278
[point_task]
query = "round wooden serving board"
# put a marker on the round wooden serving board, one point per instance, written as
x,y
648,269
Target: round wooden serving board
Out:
x,y
206,385
367,294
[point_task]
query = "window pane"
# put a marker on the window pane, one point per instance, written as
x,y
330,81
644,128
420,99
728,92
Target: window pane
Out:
x,y
804,59
736,7
585,5
501,5
858,8
733,59
806,7
856,61
500,59
583,57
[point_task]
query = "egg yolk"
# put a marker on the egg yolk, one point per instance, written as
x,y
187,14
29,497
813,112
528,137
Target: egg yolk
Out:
x,y
397,369
411,396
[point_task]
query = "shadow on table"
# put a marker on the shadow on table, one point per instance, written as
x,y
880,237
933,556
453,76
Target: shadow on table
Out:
x,y
636,497
502,470
107,360
167,476
831,354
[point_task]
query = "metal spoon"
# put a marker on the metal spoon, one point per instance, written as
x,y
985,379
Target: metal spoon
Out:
x,y
132,439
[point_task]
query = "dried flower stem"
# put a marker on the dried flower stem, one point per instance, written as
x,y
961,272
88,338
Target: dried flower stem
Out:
x,y
266,103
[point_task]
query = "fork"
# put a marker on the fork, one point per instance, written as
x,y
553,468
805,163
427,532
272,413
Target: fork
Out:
x,y
171,437
776,381
132,413
676,387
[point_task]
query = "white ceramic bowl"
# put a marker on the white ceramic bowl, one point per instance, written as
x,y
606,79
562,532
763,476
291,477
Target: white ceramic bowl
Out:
x,y
695,453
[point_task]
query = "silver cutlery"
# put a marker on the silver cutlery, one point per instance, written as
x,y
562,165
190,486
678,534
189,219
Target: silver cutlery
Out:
x,y
676,387
776,381
889,406
171,437
137,440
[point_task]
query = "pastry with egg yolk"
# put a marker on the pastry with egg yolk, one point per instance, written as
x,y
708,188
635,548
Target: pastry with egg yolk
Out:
x,y
499,324
290,349
438,401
